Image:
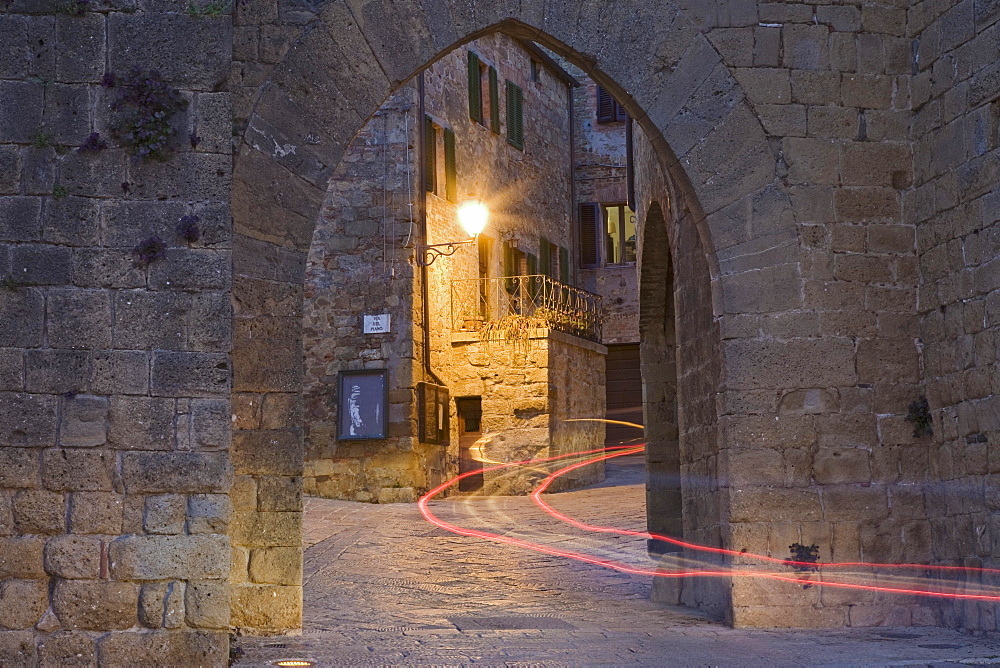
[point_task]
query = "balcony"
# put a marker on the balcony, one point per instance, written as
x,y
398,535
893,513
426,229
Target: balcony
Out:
x,y
533,301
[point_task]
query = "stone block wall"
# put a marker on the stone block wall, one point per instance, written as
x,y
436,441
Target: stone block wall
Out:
x,y
115,419
359,265
955,206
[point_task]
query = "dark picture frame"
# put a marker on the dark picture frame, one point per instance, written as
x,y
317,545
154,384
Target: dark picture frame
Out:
x,y
363,402
432,414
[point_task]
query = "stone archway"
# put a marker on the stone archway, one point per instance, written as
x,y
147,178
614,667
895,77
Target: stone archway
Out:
x,y
337,71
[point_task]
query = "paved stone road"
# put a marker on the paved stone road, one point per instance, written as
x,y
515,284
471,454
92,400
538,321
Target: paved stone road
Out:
x,y
384,587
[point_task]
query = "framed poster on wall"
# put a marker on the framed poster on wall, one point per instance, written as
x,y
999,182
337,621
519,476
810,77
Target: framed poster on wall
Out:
x,y
364,404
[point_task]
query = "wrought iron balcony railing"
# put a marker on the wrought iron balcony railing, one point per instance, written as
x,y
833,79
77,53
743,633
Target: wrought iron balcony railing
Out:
x,y
538,300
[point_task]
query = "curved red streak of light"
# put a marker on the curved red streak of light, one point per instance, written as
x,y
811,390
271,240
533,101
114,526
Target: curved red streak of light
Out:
x,y
627,450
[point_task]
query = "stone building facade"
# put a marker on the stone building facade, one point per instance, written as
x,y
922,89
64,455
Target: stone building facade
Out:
x,y
411,167
828,197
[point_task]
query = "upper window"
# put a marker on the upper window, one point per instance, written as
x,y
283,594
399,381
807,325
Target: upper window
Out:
x,y
607,234
440,170
608,109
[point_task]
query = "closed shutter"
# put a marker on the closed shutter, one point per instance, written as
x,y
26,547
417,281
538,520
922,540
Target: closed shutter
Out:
x,y
515,115
564,265
590,215
450,175
494,101
605,106
545,250
532,261
430,154
608,109
475,93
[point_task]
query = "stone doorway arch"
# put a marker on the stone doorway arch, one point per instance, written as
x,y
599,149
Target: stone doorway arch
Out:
x,y
339,65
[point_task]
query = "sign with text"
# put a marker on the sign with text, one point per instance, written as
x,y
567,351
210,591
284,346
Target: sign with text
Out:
x,y
376,324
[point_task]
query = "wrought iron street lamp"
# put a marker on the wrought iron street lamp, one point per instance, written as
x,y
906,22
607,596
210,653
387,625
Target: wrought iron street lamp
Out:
x,y
472,216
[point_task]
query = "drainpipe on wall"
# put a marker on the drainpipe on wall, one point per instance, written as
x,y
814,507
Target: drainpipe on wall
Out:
x,y
572,184
424,292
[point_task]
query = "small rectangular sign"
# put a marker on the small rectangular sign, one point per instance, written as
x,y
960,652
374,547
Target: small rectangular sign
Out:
x,y
376,324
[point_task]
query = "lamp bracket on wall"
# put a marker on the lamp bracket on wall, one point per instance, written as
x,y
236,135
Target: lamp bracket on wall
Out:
x,y
427,254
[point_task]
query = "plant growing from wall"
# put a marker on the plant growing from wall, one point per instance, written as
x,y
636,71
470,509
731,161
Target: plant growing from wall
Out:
x,y
146,104
188,230
93,144
42,139
59,192
149,251
803,560
214,8
919,416
74,7
512,330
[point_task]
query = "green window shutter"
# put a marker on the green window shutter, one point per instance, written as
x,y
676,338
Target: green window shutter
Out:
x,y
564,265
590,219
515,115
430,154
546,256
494,101
532,261
450,175
475,94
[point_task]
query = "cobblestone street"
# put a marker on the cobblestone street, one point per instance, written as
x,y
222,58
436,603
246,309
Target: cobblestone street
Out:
x,y
384,587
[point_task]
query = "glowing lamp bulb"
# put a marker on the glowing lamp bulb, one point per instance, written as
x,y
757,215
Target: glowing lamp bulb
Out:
x,y
472,216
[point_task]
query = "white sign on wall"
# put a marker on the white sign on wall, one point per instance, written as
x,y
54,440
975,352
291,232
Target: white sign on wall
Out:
x,y
376,324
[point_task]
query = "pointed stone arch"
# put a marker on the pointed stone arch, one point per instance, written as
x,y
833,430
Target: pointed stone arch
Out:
x,y
337,70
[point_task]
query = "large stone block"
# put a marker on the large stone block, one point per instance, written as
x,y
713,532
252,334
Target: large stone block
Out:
x,y
177,648
22,318
176,472
73,557
192,269
18,467
20,218
79,319
262,529
84,422
268,453
209,513
95,513
39,512
95,605
767,504
267,607
177,374
854,503
164,514
22,104
21,557
276,565
169,557
17,648
67,648
22,603
141,423
78,470
792,364
842,466
211,424
38,264
279,493
151,320
207,604
161,605
57,371
120,372
200,60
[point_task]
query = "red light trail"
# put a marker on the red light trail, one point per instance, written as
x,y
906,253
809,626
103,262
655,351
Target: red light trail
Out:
x,y
911,586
